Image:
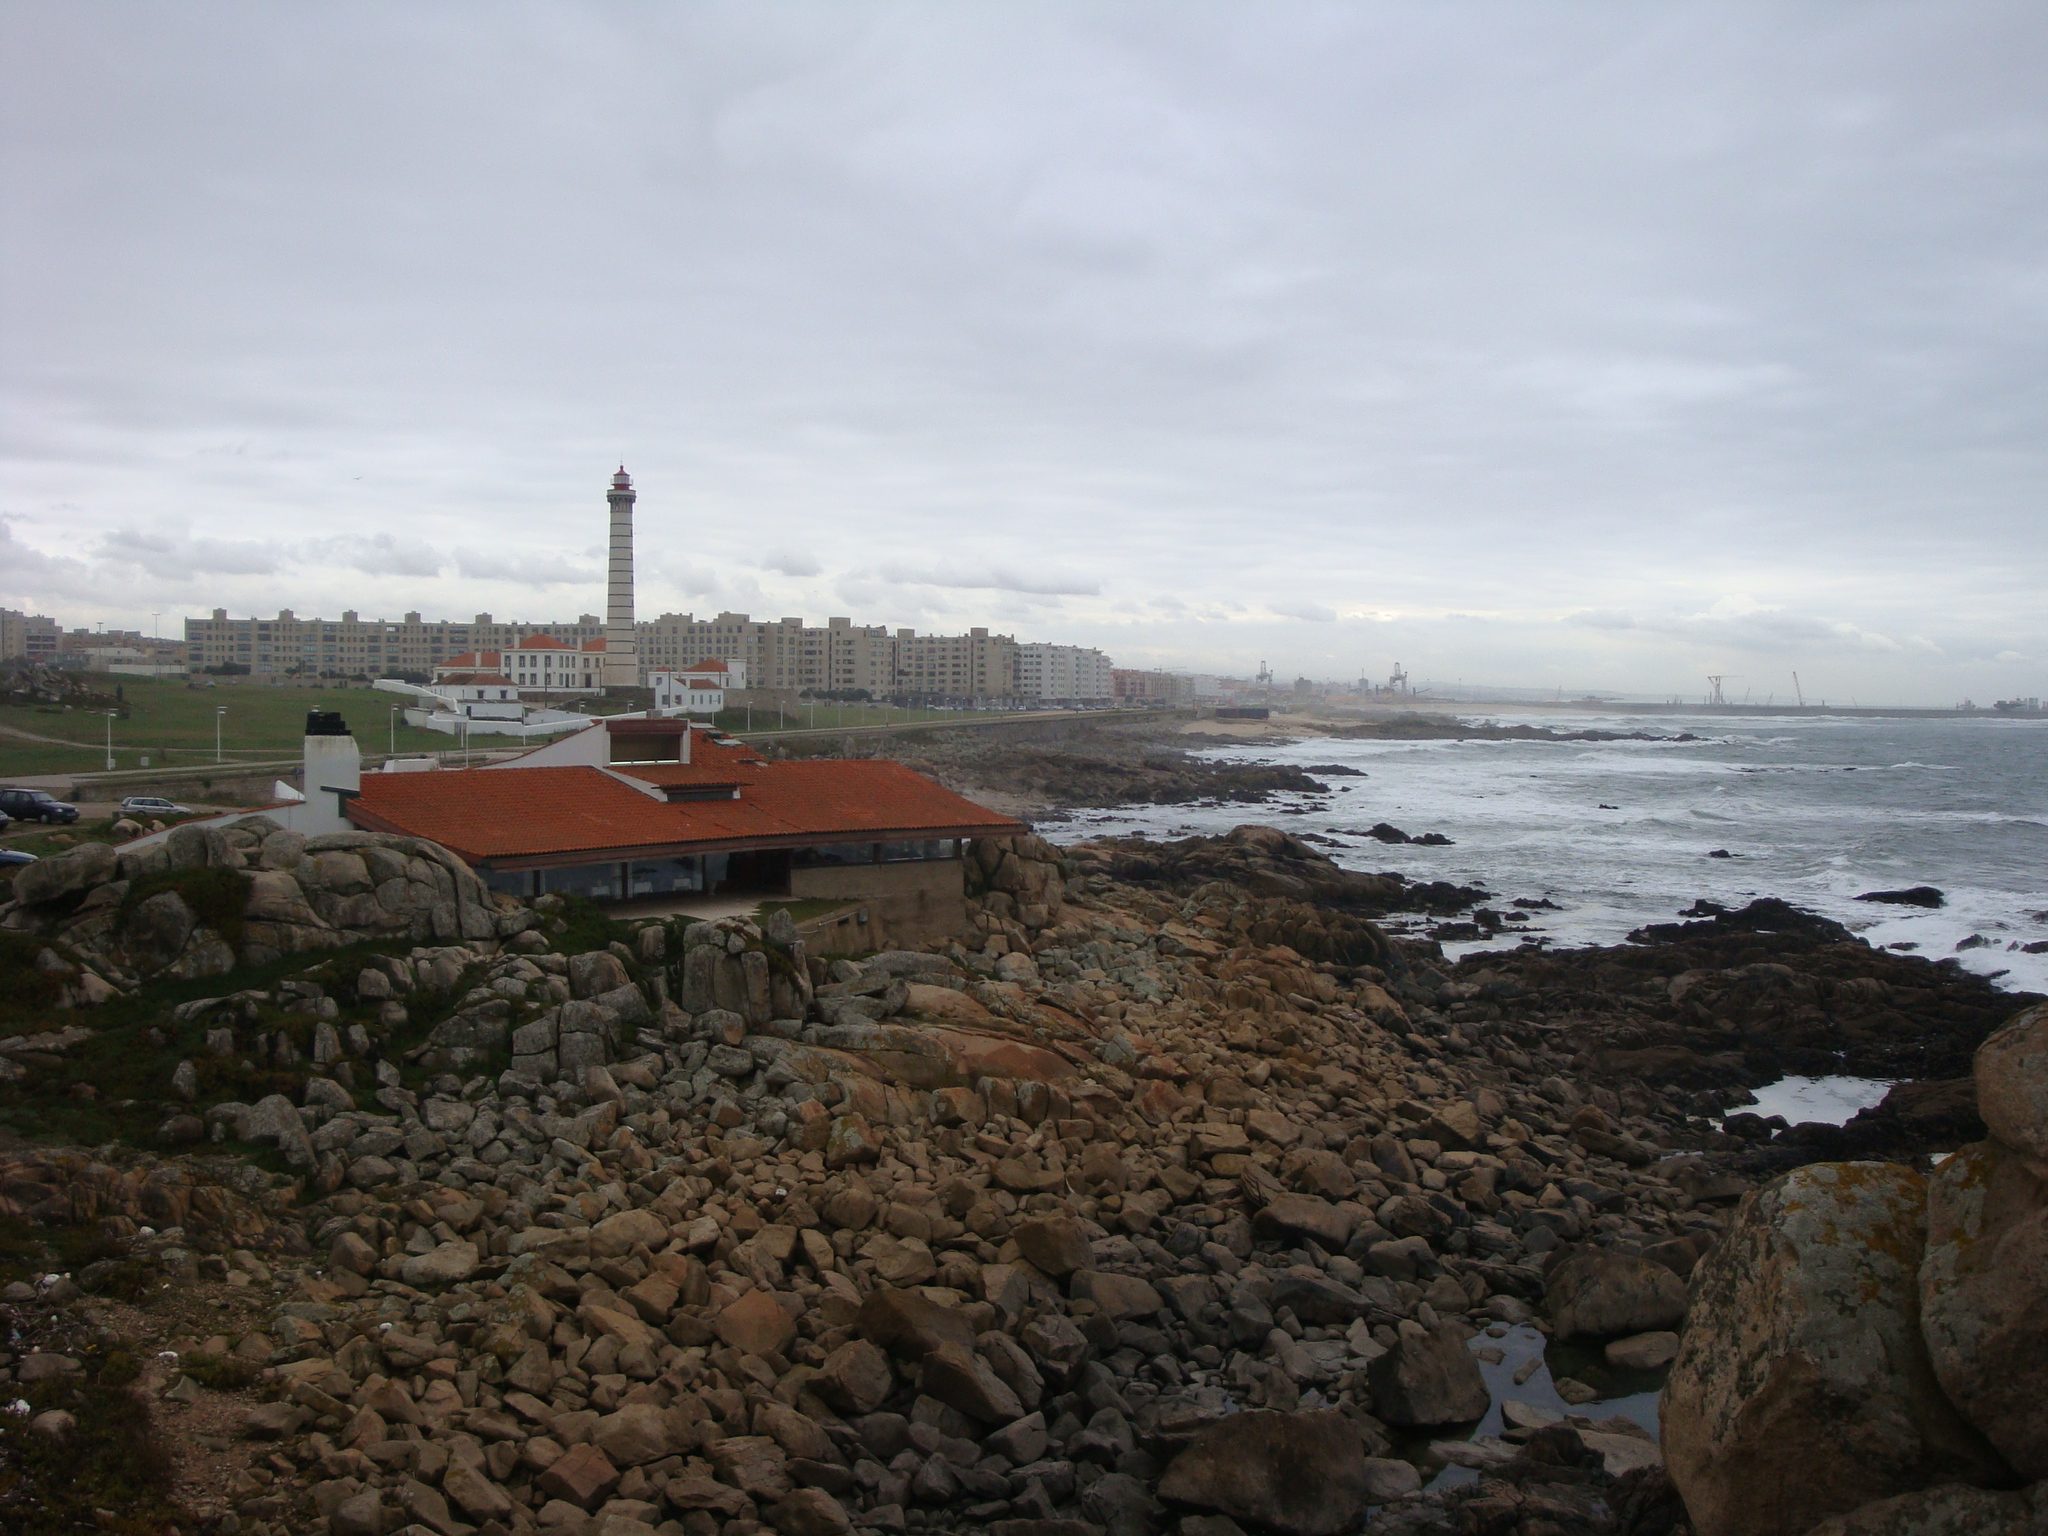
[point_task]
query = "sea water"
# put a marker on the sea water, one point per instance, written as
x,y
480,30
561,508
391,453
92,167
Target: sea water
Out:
x,y
1815,808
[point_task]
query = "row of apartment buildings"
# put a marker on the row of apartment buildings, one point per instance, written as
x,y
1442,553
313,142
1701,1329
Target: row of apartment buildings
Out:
x,y
782,654
38,637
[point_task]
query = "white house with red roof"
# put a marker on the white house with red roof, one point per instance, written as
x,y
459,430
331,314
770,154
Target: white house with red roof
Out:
x,y
697,690
543,664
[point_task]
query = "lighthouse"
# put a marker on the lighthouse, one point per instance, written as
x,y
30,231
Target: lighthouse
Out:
x,y
621,644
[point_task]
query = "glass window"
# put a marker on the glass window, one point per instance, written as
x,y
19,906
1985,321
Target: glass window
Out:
x,y
833,853
926,848
510,882
659,877
600,882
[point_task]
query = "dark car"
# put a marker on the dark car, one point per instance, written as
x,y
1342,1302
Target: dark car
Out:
x,y
14,858
36,805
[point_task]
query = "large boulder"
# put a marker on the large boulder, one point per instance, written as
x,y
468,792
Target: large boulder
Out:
x,y
1984,1297
1953,1509
1594,1293
1802,1388
1429,1378
2012,1082
66,874
1300,1474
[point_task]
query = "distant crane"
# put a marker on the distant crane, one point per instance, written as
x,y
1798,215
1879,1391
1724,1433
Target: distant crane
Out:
x,y
1797,691
1715,697
1398,681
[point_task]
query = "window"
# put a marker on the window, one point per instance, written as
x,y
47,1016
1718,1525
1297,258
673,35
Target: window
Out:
x,y
926,848
826,854
510,882
659,877
600,882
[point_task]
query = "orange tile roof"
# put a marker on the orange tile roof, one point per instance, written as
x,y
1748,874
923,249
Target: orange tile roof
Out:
x,y
471,678
594,645
470,660
542,813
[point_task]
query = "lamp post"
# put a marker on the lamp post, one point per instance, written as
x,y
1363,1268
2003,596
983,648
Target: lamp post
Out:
x,y
110,741
394,731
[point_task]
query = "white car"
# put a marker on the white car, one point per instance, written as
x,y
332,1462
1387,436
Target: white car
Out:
x,y
149,805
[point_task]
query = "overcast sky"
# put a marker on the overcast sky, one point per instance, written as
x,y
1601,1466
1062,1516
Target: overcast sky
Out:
x,y
1582,345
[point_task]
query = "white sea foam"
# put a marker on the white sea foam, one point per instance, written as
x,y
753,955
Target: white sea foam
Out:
x,y
1949,803
1821,1100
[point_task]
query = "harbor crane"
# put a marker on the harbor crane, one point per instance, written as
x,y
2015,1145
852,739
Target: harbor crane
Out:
x,y
1717,697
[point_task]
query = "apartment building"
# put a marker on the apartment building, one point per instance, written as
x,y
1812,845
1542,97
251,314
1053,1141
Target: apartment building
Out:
x,y
354,645
781,654
31,636
1063,674
784,653
1149,688
87,644
976,665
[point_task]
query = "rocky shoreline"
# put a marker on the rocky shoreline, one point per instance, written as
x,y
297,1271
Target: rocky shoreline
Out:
x,y
1177,1196
1095,766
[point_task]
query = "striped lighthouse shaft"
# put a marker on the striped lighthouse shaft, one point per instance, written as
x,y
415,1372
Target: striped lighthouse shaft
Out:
x,y
621,661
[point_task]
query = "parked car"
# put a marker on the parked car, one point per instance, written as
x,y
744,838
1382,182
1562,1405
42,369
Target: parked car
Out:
x,y
11,858
150,805
36,805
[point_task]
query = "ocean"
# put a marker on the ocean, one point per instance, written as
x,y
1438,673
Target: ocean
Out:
x,y
1813,808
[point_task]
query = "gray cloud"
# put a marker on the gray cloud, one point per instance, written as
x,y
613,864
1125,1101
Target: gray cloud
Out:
x,y
172,556
1048,583
377,554
538,569
1314,613
1722,320
792,563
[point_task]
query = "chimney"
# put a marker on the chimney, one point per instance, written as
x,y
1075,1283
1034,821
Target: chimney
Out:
x,y
621,666
333,774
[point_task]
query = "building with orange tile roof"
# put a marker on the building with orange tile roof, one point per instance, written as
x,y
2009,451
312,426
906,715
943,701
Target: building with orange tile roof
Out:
x,y
640,807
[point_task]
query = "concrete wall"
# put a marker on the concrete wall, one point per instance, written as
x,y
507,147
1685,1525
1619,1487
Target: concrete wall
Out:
x,y
916,902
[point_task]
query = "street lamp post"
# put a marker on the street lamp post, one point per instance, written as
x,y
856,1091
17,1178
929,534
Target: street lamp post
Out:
x,y
394,731
110,741
219,714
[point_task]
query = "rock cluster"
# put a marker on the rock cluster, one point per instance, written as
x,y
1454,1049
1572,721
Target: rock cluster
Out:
x,y
1198,1205
1142,1217
206,899
1867,1335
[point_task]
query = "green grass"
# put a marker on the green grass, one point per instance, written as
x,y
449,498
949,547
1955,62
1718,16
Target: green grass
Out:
x,y
24,759
25,992
173,725
112,1472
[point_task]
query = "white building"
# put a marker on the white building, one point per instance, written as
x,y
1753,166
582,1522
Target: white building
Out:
x,y
1063,674
698,690
543,664
479,695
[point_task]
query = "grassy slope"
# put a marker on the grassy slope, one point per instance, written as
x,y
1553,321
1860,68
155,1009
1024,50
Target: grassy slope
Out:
x,y
172,724
165,714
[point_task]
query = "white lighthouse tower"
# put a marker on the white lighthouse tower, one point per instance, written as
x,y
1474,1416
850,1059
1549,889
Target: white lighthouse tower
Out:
x,y
621,643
